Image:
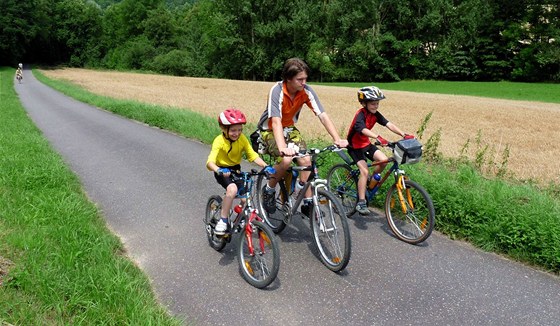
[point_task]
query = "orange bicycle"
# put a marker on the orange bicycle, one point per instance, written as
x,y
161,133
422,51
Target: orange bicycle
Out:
x,y
408,206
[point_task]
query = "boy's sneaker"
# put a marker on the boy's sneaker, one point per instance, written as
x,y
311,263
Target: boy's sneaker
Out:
x,y
221,227
306,209
362,208
269,198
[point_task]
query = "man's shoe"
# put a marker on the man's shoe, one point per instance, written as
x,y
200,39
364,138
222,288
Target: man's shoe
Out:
x,y
269,198
221,227
362,208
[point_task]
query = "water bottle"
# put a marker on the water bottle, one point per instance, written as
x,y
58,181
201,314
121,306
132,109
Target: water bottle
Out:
x,y
297,188
237,209
290,180
374,179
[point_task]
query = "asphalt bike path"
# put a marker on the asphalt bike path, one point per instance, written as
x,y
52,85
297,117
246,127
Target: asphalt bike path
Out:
x,y
152,186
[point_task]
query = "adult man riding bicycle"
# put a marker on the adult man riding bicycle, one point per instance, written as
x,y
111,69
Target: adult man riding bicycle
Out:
x,y
282,139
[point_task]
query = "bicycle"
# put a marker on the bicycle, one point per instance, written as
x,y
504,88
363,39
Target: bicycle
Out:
x,y
19,77
408,206
329,228
258,250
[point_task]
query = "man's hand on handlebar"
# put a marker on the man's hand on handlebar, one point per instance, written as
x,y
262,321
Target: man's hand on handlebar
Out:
x,y
341,143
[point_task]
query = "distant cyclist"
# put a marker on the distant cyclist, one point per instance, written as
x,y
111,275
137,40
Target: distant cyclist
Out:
x,y
19,72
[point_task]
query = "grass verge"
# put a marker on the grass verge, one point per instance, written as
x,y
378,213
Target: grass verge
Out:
x,y
59,264
518,220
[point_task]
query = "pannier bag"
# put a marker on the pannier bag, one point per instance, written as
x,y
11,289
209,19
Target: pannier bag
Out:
x,y
408,151
257,143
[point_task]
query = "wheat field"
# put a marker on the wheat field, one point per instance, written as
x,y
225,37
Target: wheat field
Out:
x,y
530,129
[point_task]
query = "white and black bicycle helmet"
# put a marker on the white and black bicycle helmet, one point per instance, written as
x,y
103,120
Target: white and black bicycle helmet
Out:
x,y
370,93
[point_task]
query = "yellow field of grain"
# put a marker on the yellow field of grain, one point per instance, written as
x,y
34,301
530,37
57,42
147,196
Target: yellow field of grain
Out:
x,y
529,128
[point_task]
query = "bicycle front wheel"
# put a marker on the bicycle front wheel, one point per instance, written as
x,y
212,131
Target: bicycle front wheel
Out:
x,y
212,216
330,231
274,220
259,255
343,183
411,218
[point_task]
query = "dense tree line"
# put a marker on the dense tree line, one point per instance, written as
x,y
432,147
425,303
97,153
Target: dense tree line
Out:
x,y
343,40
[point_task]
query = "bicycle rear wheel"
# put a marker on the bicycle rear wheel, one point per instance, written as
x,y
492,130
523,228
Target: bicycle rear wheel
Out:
x,y
330,231
212,216
261,267
411,220
343,183
275,220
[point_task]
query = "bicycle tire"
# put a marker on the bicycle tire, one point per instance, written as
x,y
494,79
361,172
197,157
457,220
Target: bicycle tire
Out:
x,y
344,184
259,269
417,224
276,220
213,211
330,231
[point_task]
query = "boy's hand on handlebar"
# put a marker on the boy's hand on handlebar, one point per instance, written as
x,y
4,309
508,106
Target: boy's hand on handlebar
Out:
x,y
382,141
223,171
269,170
407,136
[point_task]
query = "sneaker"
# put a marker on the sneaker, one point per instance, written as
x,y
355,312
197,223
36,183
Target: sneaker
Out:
x,y
220,228
306,209
362,208
269,198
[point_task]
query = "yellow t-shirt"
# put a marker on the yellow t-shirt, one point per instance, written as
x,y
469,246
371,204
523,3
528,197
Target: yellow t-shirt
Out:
x,y
226,154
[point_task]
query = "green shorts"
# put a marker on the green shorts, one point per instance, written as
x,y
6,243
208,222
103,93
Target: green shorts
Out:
x,y
291,135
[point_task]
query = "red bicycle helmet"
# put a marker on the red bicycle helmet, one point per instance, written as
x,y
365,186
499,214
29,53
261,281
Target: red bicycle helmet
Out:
x,y
231,116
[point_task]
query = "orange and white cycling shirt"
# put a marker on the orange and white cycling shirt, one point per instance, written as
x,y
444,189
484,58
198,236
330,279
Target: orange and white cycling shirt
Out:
x,y
281,105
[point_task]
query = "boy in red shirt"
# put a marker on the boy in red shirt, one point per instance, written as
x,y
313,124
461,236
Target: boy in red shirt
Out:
x,y
359,144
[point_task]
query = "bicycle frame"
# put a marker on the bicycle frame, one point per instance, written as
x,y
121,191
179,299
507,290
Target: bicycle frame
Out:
x,y
400,177
248,212
313,181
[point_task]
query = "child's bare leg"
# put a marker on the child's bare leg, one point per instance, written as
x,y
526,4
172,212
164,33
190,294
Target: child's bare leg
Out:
x,y
362,180
379,156
231,193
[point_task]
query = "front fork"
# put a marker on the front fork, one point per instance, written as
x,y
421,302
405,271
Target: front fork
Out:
x,y
403,191
249,229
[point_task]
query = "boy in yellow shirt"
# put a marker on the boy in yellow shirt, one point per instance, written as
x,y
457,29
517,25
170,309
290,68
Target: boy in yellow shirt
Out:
x,y
225,159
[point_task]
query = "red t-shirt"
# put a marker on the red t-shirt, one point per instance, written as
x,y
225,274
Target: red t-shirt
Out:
x,y
363,119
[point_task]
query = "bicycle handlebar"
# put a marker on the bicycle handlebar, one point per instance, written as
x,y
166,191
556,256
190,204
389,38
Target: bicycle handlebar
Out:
x,y
390,144
313,151
244,175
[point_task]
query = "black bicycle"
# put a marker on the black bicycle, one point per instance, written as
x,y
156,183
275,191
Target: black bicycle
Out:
x,y
258,250
329,228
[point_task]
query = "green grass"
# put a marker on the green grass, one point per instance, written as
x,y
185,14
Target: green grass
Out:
x,y
519,220
59,263
539,92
